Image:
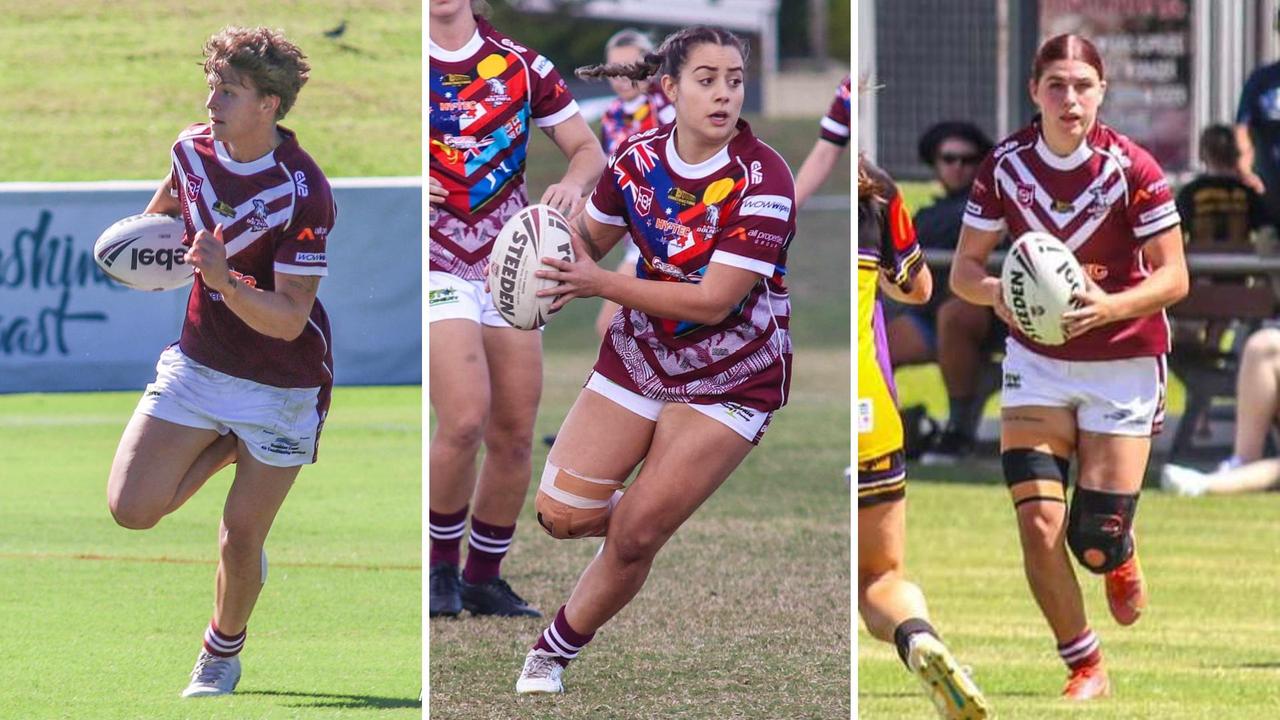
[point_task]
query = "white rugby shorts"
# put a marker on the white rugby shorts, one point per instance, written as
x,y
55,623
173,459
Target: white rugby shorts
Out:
x,y
747,422
1113,397
280,426
452,298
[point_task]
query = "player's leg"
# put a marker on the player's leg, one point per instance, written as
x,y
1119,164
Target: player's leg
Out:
x,y
962,330
459,396
909,340
255,497
690,456
1101,532
157,466
1257,394
515,386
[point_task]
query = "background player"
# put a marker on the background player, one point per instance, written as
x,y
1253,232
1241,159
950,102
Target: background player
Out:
x,y
892,607
693,368
249,380
1100,396
833,136
487,91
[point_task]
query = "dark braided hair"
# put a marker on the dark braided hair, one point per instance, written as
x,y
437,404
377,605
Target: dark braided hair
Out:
x,y
669,58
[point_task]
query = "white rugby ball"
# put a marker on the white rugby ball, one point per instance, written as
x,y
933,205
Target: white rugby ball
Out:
x,y
145,252
531,234
1038,278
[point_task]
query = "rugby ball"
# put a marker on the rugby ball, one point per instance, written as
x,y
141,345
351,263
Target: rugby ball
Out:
x,y
531,234
1038,278
145,252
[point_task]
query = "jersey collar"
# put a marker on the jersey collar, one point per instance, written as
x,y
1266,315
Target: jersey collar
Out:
x,y
463,53
1057,162
708,166
257,165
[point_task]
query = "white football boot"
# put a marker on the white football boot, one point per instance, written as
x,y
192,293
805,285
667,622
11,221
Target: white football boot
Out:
x,y
1183,480
213,675
952,691
541,674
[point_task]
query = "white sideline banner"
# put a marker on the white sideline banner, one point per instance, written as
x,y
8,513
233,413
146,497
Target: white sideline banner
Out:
x,y
64,326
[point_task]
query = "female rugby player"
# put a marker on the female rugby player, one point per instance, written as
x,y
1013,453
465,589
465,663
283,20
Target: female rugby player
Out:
x,y
1099,396
699,358
249,380
487,93
892,607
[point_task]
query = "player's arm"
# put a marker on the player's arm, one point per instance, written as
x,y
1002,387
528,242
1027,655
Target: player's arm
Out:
x,y
918,290
586,162
816,169
1167,284
281,313
164,202
969,279
1245,165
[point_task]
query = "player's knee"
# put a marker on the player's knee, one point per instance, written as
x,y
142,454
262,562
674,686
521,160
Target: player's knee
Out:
x,y
463,432
570,505
240,539
510,444
1037,484
1099,528
1263,345
636,545
131,514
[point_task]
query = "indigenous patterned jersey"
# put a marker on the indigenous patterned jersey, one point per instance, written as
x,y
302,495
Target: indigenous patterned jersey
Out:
x,y
624,118
276,213
1104,201
483,98
886,245
735,208
835,124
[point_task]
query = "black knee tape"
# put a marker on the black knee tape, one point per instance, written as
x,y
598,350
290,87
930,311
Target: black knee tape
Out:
x,y
1099,528
1023,464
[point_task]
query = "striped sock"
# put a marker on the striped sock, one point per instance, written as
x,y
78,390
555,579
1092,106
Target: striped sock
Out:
x,y
486,546
446,530
561,641
1081,651
215,643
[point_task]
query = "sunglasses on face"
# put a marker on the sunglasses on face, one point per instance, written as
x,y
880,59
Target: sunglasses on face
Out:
x,y
952,158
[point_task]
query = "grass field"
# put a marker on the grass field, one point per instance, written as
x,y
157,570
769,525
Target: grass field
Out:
x,y
102,622
98,91
746,612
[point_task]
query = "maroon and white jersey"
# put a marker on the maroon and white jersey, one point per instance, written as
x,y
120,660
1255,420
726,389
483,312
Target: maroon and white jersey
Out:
x,y
736,208
276,213
485,99
1103,201
835,124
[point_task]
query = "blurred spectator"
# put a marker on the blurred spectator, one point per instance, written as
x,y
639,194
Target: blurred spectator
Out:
x,y
1258,132
1217,206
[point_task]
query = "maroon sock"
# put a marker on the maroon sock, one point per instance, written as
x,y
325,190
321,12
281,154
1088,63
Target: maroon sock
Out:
x,y
1081,651
561,641
446,531
486,547
217,643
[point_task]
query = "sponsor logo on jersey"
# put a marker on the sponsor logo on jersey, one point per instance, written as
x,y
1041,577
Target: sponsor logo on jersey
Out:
x,y
767,239
1013,381
513,45
1157,212
1026,193
1096,271
668,269
644,199
443,296
194,183
681,197
757,173
456,80
670,227
311,233
866,416
973,208
300,182
774,206
713,216
738,411
258,220
465,107
281,445
1062,206
467,142
541,65
309,257
222,208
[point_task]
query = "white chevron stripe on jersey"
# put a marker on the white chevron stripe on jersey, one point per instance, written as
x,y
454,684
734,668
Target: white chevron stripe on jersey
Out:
x,y
1110,170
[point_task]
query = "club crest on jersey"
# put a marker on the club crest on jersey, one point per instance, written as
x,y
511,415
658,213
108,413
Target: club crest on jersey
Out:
x,y
222,208
644,200
497,92
194,183
680,197
713,215
1026,193
1099,206
258,220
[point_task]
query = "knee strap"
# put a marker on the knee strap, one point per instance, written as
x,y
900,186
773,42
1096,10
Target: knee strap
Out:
x,y
1035,475
1099,528
571,505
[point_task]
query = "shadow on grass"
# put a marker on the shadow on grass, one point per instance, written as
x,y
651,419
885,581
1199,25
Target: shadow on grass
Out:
x,y
904,694
329,700
1273,665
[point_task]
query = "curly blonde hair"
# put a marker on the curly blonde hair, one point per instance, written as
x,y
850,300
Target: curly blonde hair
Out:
x,y
275,65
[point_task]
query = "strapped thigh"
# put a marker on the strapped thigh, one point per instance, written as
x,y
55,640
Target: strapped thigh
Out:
x,y
571,505
1035,475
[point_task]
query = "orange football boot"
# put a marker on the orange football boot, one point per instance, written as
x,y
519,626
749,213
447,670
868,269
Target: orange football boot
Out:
x,y
1127,591
1087,683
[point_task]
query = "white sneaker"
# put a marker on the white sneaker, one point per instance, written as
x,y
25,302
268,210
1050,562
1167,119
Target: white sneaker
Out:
x,y
952,691
213,675
1183,480
541,674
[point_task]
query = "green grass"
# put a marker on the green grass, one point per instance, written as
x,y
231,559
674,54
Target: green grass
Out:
x,y
102,622
1208,647
96,91
746,612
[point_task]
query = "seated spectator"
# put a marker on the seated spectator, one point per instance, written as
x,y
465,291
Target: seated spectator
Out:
x,y
1217,206
1257,409
959,336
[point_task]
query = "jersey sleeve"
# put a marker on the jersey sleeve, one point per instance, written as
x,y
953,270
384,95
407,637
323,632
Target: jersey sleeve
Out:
x,y
1151,209
551,100
760,226
900,255
607,204
835,124
985,209
301,250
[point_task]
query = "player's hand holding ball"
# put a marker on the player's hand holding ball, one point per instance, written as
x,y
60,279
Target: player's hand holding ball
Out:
x,y
436,190
578,277
208,255
565,197
1097,308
